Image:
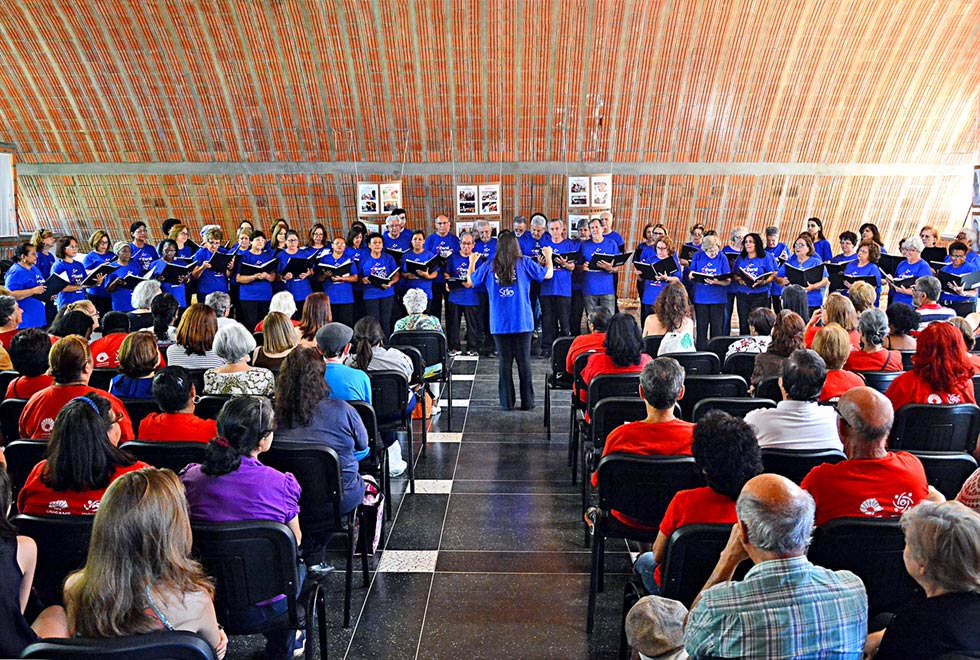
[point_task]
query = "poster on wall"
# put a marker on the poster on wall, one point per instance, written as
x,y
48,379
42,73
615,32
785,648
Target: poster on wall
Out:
x,y
489,199
391,196
466,200
601,191
578,192
467,225
367,199
574,219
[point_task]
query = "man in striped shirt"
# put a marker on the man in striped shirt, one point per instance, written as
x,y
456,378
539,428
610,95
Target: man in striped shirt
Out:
x,y
925,295
785,607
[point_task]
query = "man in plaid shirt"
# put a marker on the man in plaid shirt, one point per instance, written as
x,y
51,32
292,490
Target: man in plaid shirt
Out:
x,y
785,607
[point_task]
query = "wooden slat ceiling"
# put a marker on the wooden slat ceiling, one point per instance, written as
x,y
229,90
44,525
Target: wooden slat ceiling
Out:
x,y
760,95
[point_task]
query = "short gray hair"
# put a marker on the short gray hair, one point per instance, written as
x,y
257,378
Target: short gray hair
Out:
x,y
520,220
283,302
854,416
539,220
781,530
480,224
662,381
873,324
144,293
233,342
772,230
415,301
915,243
219,301
930,286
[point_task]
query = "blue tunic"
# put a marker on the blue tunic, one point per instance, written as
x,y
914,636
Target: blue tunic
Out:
x,y
92,261
510,305
710,294
259,289
458,267
653,288
419,282
754,266
598,282
560,284
919,269
340,293
178,291
122,298
76,274
19,278
210,280
823,250
144,256
383,266
813,298
300,289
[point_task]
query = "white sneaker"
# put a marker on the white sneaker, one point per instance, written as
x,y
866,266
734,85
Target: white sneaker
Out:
x,y
436,409
396,466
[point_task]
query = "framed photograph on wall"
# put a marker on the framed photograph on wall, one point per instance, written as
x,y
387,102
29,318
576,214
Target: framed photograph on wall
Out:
x,y
489,199
578,192
573,220
391,196
601,191
367,199
467,200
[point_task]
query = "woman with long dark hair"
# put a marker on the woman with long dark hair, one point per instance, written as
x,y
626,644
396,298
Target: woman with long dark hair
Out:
x,y
870,232
624,351
168,255
821,246
753,271
508,277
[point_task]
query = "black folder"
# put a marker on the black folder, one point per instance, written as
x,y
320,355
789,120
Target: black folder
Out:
x,y
380,281
255,269
688,252
54,285
701,277
804,277
415,267
966,280
663,267
934,254
835,273
103,269
340,270
612,259
298,265
172,273
888,263
220,261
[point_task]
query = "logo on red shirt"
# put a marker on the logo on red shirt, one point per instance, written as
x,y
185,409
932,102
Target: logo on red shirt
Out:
x,y
47,425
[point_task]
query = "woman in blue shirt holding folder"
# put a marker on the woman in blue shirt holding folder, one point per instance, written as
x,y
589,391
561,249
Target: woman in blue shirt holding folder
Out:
x,y
25,281
122,297
255,290
73,271
378,297
168,250
754,270
866,265
710,293
803,258
340,288
419,279
662,248
964,301
912,266
297,285
210,279
100,254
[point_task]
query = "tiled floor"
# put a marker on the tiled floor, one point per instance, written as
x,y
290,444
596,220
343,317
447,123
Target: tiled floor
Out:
x,y
486,559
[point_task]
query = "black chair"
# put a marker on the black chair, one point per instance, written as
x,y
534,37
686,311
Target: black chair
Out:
x,y
376,464
702,363
434,347
740,364
6,377
947,471
603,387
734,406
871,549
769,389
139,409
713,386
62,547
558,379
692,553
976,387
794,464
22,456
167,645
10,410
389,397
259,337
171,455
578,386
719,345
197,375
879,380
651,344
608,414
639,487
209,405
317,469
934,427
907,359
417,385
253,562
101,378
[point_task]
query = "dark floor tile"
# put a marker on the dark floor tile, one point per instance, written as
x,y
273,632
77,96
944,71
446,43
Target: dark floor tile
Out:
x,y
488,417
496,486
579,562
419,523
391,622
510,461
558,439
540,522
438,461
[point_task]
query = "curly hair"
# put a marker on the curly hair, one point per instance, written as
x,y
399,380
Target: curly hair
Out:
x,y
874,250
787,334
902,318
316,314
941,358
726,451
624,342
672,306
164,310
300,387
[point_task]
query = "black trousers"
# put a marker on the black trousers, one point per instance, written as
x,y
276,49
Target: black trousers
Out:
x,y
746,302
556,314
578,309
777,304
397,308
709,316
485,319
343,313
380,308
514,346
729,308
250,312
454,315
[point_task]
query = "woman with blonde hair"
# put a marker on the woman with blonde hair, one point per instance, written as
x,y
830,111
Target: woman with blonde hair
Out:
x,y
279,337
672,319
837,309
181,235
833,344
99,254
139,576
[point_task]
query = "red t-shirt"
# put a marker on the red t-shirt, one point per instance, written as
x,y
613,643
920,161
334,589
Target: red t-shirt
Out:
x,y
874,488
37,420
105,351
24,387
36,498
975,361
910,388
862,361
696,506
583,344
839,381
601,364
673,438
7,337
812,331
261,324
177,427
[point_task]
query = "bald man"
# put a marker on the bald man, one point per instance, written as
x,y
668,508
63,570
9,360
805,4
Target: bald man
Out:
x,y
785,607
873,482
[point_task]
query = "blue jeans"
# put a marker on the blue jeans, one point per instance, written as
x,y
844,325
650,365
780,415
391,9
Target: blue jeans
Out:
x,y
645,567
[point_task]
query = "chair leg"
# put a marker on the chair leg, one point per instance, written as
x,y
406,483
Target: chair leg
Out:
x,y
411,460
425,421
574,449
593,576
349,575
586,476
321,624
547,407
386,483
571,433
601,568
449,400
364,554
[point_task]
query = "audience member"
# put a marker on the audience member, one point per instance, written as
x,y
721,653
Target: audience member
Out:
x,y
139,576
833,344
164,310
10,317
70,364
903,320
595,340
279,337
234,344
283,303
794,299
672,319
194,347
761,322
83,458
143,295
174,392
925,297
785,607
863,296
74,322
220,302
105,351
873,356
787,336
969,339
655,629
941,371
623,355
139,358
873,482
416,303
346,383
29,355
837,309
316,314
798,421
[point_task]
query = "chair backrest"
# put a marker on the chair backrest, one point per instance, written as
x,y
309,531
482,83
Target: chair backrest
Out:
x,y
879,380
697,362
934,427
560,379
734,406
769,389
907,359
613,412
794,464
317,469
947,471
101,378
167,645
259,337
197,375
719,345
251,562
418,364
431,344
740,364
651,344
366,412
171,455
699,386
692,553
607,385
138,409
6,377
10,410
209,405
62,547
976,387
22,456
871,549
641,487
578,366
389,396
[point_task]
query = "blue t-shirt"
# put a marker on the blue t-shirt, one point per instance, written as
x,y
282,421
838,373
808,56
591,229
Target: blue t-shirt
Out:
x,y
444,246
404,245
844,258
347,383
510,305
598,282
144,256
76,274
813,298
383,266
754,266
122,298
710,294
210,280
45,262
653,288
259,289
125,387
778,251
871,270
560,283
457,267
823,249
488,251
965,269
526,241
19,278
919,269
178,291
186,252
616,238
300,288
340,293
92,261
419,282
